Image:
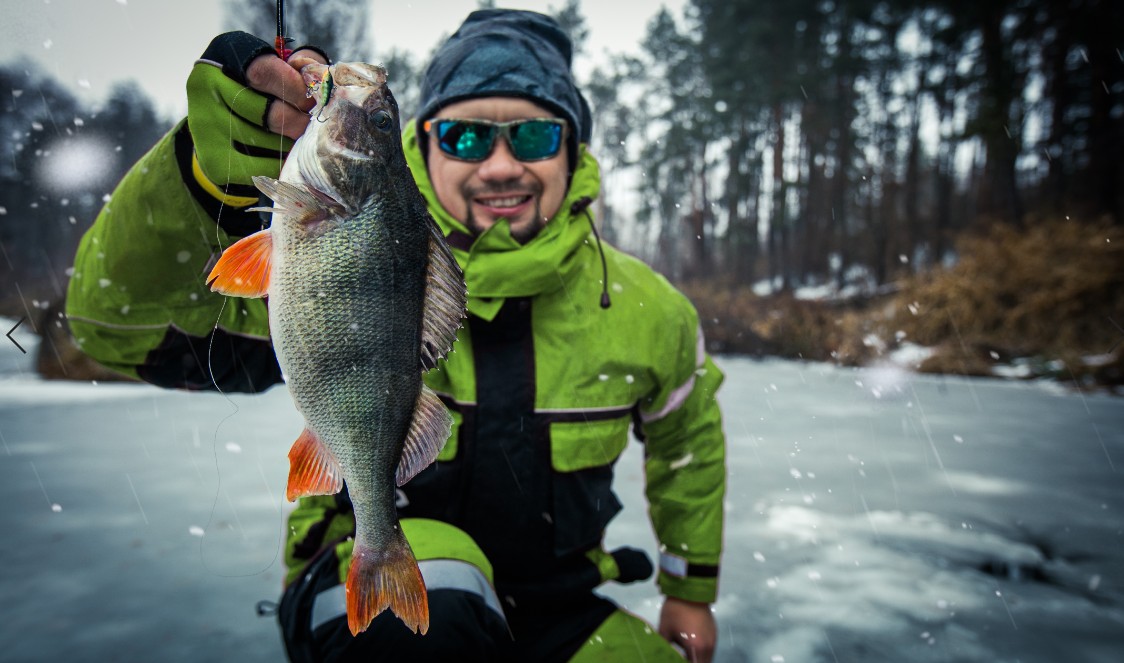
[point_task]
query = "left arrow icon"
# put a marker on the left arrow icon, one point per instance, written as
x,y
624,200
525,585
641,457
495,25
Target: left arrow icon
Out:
x,y
9,335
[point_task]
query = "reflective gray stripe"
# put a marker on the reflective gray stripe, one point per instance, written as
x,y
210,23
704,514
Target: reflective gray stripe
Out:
x,y
438,574
679,395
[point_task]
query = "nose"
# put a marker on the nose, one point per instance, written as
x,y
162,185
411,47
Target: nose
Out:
x,y
501,165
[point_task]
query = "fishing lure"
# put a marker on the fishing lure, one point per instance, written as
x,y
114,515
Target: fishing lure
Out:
x,y
324,88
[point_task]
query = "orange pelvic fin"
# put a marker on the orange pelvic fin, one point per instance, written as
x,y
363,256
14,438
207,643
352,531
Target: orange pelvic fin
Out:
x,y
313,470
243,269
388,578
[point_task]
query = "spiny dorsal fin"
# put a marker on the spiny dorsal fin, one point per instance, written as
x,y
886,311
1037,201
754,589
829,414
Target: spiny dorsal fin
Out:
x,y
313,470
243,269
445,298
428,432
302,203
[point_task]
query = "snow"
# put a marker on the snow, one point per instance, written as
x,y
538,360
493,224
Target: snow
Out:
x,y
76,164
959,519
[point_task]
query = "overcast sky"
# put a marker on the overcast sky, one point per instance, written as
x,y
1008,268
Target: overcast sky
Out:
x,y
89,44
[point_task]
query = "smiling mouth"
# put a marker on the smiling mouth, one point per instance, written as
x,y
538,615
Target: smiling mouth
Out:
x,y
506,202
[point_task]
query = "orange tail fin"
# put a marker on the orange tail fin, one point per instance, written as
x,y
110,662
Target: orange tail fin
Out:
x,y
381,579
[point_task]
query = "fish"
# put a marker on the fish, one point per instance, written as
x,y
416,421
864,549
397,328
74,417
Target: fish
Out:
x,y
364,296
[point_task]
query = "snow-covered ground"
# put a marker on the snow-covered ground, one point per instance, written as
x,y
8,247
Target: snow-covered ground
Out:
x,y
873,515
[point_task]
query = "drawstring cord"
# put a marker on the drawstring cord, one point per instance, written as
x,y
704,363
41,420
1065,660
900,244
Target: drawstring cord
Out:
x,y
582,205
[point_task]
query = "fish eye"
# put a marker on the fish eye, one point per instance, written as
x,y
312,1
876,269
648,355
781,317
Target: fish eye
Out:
x,y
383,120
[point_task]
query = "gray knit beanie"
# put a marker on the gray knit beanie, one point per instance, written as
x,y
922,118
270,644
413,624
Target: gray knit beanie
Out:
x,y
508,53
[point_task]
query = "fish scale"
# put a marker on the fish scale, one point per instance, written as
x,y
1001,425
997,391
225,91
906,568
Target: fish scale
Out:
x,y
363,293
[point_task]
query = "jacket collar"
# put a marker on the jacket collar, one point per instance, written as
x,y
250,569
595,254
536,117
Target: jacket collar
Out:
x,y
495,265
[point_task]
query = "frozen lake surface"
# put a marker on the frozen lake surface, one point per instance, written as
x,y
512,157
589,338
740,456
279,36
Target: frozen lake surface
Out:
x,y
873,515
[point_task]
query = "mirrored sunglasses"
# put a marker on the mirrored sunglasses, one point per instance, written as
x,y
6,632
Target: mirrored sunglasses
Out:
x,y
473,140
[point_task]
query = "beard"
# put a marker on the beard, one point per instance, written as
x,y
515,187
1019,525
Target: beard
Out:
x,y
522,233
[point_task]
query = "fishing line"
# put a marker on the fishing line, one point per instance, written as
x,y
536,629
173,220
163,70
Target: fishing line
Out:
x,y
218,472
215,384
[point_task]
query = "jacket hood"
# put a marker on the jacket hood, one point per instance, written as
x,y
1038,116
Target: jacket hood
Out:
x,y
508,53
495,265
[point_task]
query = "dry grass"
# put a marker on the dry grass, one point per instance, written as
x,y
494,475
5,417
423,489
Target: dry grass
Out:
x,y
1052,292
735,320
1050,295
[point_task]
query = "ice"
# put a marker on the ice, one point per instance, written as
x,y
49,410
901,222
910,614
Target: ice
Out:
x,y
1007,549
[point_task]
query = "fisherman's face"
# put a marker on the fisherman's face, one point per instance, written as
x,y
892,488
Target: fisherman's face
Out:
x,y
478,193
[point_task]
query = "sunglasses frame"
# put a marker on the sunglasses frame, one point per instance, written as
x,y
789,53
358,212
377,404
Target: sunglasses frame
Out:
x,y
503,130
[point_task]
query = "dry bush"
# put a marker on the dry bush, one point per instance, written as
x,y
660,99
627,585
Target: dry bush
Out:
x,y
1050,296
735,320
1053,291
725,313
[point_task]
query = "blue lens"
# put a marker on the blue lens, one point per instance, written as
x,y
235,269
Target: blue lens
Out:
x,y
535,139
473,140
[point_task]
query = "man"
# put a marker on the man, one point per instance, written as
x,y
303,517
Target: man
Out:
x,y
567,344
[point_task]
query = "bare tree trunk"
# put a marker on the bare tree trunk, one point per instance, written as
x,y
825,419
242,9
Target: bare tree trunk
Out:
x,y
911,230
699,216
741,239
999,189
1106,133
1059,90
778,223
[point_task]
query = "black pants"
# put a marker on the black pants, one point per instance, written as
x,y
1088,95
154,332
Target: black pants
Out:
x,y
462,627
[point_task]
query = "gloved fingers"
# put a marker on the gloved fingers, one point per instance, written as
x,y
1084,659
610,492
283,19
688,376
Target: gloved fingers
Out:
x,y
245,107
233,52
228,126
210,89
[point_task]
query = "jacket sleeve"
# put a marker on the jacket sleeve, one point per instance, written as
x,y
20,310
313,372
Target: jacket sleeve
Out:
x,y
685,464
138,300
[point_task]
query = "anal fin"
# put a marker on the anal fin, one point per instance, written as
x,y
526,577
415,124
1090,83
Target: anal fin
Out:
x,y
428,432
313,470
445,298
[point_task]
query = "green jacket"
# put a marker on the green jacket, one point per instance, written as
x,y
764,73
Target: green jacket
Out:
x,y
544,384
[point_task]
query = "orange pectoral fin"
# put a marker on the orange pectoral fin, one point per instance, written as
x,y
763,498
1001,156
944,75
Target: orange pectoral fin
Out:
x,y
313,470
243,269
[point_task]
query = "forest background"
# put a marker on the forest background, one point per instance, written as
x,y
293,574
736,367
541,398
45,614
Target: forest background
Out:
x,y
932,182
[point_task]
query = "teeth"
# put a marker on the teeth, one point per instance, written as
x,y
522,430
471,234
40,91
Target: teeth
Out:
x,y
504,202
